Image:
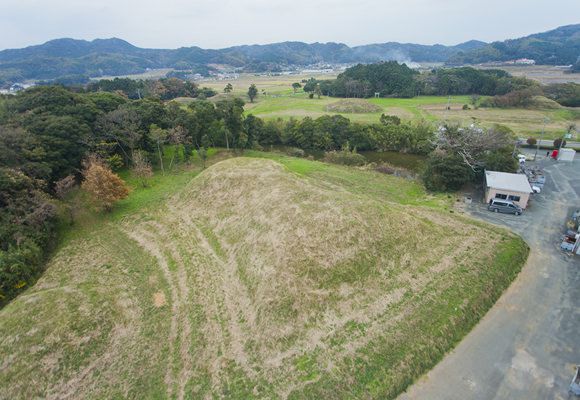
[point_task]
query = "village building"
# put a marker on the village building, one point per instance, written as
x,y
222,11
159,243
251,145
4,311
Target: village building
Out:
x,y
506,186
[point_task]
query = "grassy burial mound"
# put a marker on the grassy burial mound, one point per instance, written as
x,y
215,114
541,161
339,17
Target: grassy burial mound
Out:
x,y
355,106
260,278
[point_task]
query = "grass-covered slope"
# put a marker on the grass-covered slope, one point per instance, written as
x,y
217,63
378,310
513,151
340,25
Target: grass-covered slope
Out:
x,y
259,278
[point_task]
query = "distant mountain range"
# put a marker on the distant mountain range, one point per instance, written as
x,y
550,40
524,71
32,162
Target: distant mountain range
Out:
x,y
80,59
560,46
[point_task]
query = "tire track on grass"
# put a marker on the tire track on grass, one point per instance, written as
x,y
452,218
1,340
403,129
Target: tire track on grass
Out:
x,y
161,237
144,240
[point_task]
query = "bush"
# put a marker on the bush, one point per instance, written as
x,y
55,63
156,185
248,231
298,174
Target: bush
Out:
x,y
295,152
501,160
345,157
517,98
27,225
532,141
446,172
559,143
104,186
465,107
389,169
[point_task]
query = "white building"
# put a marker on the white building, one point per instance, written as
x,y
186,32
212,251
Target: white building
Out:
x,y
506,186
566,154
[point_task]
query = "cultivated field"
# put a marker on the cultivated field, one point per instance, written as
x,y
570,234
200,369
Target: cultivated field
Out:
x,y
281,102
263,277
544,74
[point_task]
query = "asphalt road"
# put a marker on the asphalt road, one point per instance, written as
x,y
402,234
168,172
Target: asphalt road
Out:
x,y
569,143
528,343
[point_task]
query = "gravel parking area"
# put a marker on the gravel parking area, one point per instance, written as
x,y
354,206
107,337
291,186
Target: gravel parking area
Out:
x,y
528,343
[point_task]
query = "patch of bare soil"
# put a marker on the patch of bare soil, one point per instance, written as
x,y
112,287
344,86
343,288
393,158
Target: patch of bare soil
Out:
x,y
159,299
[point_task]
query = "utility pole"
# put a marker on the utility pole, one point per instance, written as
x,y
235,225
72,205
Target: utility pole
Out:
x,y
546,119
561,144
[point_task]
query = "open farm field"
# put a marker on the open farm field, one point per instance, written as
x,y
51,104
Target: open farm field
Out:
x,y
544,74
281,102
273,85
262,276
299,105
524,122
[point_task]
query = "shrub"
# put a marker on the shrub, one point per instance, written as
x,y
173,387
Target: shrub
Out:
x,y
446,172
345,157
465,107
295,152
142,168
389,169
390,119
532,141
105,187
559,143
27,225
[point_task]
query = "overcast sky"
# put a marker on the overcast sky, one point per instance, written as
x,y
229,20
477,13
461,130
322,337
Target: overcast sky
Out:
x,y
217,24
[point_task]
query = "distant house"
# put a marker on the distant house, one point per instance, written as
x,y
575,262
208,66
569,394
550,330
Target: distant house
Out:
x,y
525,61
521,61
506,186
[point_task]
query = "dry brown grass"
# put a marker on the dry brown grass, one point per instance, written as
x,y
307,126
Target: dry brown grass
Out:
x,y
354,106
252,281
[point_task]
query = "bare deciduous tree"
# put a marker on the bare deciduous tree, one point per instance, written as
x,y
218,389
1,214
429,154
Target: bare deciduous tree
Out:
x,y
142,168
159,136
65,191
471,143
176,136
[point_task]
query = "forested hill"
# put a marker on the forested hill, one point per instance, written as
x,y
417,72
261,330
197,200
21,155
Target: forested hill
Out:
x,y
69,57
560,46
77,58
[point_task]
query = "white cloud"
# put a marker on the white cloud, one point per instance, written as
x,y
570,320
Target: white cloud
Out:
x,y
215,24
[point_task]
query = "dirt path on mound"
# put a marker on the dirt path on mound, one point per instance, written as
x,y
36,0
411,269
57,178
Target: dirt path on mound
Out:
x,y
179,294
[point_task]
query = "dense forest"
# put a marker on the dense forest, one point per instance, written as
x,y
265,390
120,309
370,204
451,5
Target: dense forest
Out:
x,y
391,79
164,89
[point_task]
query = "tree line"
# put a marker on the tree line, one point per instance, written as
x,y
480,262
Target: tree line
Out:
x,y
165,88
391,79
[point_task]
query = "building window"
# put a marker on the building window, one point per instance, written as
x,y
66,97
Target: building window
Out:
x,y
501,196
514,198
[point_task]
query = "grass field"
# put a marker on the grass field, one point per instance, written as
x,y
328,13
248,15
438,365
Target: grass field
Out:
x,y
281,102
262,277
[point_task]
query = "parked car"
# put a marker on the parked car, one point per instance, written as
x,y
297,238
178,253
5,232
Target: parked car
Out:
x,y
536,189
504,206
